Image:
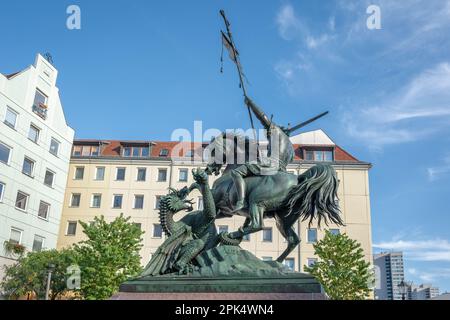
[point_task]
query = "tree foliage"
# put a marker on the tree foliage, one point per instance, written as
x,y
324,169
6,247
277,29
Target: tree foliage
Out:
x,y
108,257
29,275
341,269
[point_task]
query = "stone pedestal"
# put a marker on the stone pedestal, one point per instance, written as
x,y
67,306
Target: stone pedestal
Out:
x,y
226,272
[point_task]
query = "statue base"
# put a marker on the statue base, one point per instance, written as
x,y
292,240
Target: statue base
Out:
x,y
226,272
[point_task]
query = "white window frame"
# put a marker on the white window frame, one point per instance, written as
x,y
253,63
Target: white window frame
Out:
x,y
10,152
48,210
75,173
113,198
33,164
53,180
2,194
153,231
96,173
200,203
67,228
92,200
307,235
43,242
124,174
137,174
16,229
134,201
223,225
71,200
32,125
179,174
271,235
50,146
156,201
157,177
8,108
26,204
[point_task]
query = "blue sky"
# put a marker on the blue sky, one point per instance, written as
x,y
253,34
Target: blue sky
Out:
x,y
140,69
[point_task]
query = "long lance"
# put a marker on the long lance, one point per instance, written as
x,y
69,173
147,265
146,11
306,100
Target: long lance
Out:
x,y
238,67
302,124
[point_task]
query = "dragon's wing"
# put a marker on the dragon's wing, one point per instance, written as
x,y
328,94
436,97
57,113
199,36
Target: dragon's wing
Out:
x,y
167,254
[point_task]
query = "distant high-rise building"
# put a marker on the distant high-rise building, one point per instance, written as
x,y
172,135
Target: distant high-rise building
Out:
x,y
423,292
391,273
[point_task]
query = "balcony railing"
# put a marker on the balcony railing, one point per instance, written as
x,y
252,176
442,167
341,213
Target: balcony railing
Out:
x,y
40,110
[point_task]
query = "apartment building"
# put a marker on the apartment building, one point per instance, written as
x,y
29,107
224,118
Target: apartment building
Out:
x,y
109,177
35,149
391,273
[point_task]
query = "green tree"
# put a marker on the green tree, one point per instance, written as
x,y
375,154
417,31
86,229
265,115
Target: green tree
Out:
x,y
29,274
341,269
108,257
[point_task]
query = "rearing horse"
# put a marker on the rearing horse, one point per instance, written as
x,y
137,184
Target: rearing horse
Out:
x,y
283,196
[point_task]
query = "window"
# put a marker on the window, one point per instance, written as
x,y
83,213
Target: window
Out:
x,y
39,98
162,175
311,262
44,209
189,153
100,173
15,236
96,200
246,237
157,231
319,155
75,200
54,146
71,228
266,258
21,200
183,175
335,231
135,152
221,229
117,201
164,152
11,118
2,190
200,203
120,174
38,243
157,201
290,263
85,151
138,201
28,166
267,235
79,173
141,174
328,156
33,133
5,152
312,235
49,178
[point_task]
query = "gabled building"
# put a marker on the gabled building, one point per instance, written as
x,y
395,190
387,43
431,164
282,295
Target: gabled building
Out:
x,y
35,149
109,177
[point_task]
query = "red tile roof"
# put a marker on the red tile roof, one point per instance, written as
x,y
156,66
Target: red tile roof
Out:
x,y
112,148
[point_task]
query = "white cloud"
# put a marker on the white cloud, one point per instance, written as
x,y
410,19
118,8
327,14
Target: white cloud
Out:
x,y
435,173
425,97
428,250
287,22
430,275
312,42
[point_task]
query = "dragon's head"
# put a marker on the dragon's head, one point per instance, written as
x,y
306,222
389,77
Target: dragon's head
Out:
x,y
176,201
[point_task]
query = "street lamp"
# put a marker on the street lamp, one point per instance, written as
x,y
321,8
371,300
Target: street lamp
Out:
x,y
403,287
50,269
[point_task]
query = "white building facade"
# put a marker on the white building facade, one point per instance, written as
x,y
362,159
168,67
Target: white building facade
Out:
x,y
35,147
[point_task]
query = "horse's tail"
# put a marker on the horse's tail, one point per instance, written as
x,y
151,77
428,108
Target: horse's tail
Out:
x,y
315,196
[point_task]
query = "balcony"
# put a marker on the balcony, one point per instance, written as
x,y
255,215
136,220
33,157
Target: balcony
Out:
x,y
40,110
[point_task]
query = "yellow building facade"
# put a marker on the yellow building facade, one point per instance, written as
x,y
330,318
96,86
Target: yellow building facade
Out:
x,y
112,177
